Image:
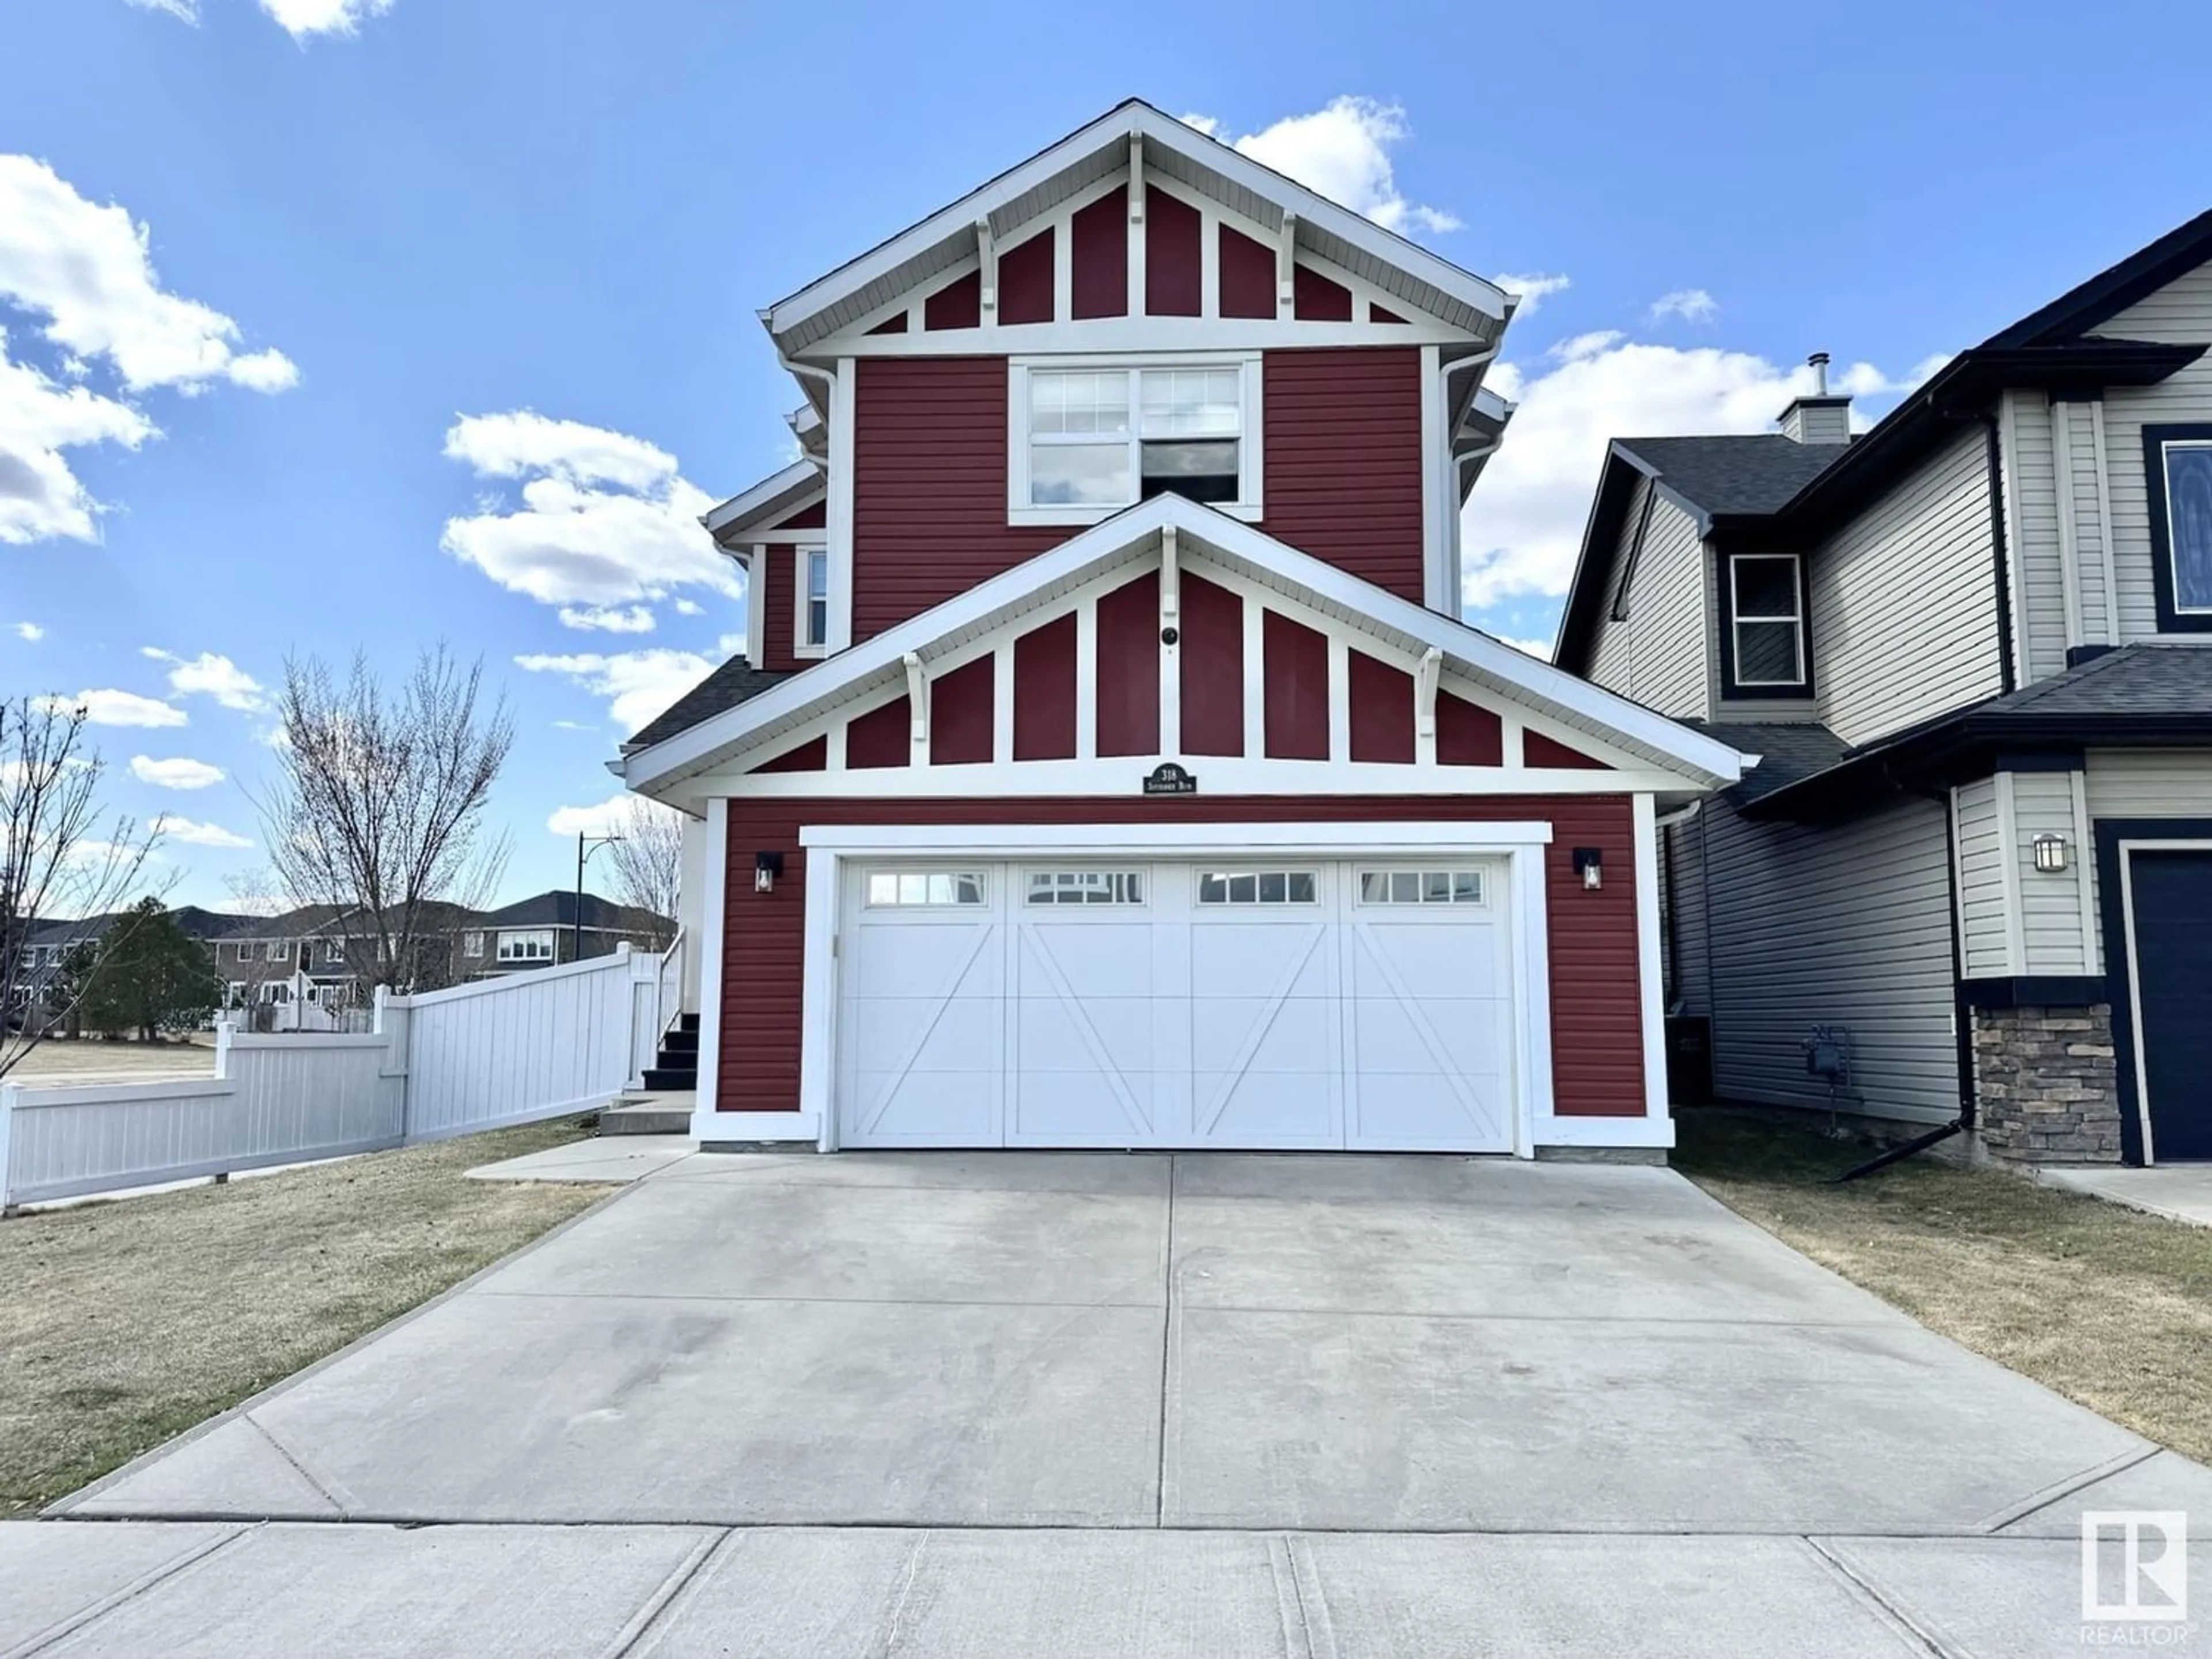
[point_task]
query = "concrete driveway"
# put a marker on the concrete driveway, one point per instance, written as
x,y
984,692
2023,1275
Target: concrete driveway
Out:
x,y
1025,1403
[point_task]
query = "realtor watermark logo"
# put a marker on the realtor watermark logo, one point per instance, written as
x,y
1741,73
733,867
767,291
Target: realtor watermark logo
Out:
x,y
2135,1577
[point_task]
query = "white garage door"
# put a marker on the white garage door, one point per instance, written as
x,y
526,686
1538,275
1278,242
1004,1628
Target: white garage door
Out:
x,y
1269,1003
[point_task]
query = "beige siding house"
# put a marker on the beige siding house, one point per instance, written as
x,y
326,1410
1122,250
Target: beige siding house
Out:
x,y
1970,880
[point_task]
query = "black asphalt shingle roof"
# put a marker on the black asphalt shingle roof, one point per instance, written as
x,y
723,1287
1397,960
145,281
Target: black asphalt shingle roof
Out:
x,y
1787,750
557,908
2137,679
1741,474
733,682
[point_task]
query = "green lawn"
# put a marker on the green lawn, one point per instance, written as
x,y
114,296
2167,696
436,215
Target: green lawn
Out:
x,y
127,1323
2109,1307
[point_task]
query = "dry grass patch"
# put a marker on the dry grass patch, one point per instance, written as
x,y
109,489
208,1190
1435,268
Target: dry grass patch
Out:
x,y
2109,1307
126,1323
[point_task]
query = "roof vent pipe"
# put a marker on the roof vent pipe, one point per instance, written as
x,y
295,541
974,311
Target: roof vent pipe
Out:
x,y
1819,360
1818,416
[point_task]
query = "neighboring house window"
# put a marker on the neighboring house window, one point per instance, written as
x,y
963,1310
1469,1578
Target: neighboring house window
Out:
x,y
1766,622
814,587
918,888
2179,462
472,945
537,946
1089,440
276,950
1258,887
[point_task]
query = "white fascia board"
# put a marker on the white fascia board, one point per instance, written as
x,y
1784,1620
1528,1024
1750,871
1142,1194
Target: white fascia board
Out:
x,y
1132,119
768,493
1100,545
1465,835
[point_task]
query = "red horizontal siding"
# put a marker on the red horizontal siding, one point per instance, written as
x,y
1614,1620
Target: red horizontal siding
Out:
x,y
1026,281
776,572
1597,1055
1342,459
929,486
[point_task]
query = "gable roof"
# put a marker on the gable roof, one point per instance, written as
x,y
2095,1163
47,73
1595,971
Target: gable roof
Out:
x,y
1179,152
2079,310
1466,651
735,682
769,500
1755,473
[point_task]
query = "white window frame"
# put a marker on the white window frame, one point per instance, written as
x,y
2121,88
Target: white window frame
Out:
x,y
1250,466
1803,678
802,562
472,944
525,937
1259,872
277,950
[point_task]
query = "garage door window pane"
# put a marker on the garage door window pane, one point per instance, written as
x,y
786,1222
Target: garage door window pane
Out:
x,y
1420,887
1267,887
919,889
1086,887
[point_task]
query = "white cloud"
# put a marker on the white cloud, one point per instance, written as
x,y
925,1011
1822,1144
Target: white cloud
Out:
x,y
689,608
178,773
1540,649
1342,152
634,619
197,835
605,519
302,18
1533,291
87,271
1865,380
1692,304
187,11
30,632
212,676
639,685
111,707
574,726
1523,524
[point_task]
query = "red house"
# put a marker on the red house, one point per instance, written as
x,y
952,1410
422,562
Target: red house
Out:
x,y
1107,766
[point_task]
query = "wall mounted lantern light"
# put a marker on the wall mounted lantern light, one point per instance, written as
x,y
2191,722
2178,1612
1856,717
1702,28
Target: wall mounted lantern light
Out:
x,y
2050,851
767,867
1589,864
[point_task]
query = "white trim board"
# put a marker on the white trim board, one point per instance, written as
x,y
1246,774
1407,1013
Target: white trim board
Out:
x,y
1136,531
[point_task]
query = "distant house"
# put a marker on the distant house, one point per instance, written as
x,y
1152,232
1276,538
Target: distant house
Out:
x,y
1971,878
541,931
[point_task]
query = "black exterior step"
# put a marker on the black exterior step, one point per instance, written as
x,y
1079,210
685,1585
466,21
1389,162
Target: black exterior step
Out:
x,y
688,1024
679,1042
662,1079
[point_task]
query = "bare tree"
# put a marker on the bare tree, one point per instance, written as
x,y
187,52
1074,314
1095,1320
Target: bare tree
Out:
x,y
649,863
59,862
379,810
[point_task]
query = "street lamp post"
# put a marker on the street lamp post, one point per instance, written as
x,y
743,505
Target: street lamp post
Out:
x,y
586,846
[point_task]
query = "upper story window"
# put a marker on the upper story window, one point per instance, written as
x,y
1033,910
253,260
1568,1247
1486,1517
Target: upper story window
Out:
x,y
534,946
2178,459
1766,624
812,625
1089,438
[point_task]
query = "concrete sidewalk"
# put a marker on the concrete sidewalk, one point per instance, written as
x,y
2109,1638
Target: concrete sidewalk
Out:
x,y
2180,1192
125,1590
1016,1402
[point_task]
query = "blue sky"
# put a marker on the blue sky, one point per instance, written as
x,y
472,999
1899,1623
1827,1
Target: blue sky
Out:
x,y
380,236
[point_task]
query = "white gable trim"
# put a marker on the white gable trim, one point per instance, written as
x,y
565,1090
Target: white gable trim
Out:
x,y
1159,133
776,497
1242,550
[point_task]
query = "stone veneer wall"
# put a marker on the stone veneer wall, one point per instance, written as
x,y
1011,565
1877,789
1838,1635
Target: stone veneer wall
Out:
x,y
2048,1087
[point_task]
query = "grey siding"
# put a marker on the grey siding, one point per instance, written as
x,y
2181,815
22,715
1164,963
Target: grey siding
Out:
x,y
1984,908
1657,655
2039,605
1843,925
2182,311
2082,490
1689,988
2057,932
1905,618
2150,783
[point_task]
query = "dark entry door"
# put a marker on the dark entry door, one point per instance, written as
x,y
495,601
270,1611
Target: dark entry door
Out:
x,y
2172,894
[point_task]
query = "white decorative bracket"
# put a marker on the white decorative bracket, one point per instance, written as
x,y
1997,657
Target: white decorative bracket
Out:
x,y
1424,692
1170,583
917,699
1136,178
988,265
1286,268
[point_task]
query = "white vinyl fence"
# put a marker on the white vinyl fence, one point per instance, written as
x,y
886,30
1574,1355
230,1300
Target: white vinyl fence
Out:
x,y
500,1051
